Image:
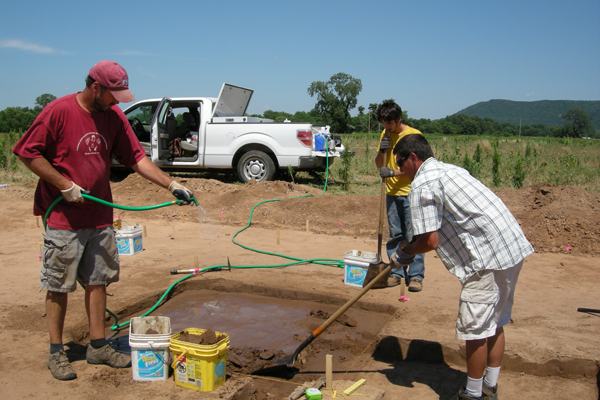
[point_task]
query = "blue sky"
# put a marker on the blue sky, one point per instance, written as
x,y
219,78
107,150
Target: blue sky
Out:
x,y
434,58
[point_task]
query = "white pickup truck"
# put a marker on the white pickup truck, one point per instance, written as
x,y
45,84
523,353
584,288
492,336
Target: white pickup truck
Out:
x,y
192,133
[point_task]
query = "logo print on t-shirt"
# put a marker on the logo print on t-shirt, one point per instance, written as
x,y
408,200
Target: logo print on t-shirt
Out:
x,y
91,143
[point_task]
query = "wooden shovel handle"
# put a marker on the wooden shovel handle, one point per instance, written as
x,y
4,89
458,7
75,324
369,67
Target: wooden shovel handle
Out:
x,y
381,210
350,302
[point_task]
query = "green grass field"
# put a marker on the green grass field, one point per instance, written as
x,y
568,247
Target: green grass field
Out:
x,y
557,161
519,162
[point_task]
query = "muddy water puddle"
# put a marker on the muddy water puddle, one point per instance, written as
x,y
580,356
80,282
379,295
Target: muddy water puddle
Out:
x,y
262,329
257,321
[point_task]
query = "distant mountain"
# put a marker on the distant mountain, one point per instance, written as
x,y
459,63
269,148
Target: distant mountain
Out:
x,y
545,112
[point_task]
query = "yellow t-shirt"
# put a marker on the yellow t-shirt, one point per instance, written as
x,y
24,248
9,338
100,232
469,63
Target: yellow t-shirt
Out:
x,y
398,185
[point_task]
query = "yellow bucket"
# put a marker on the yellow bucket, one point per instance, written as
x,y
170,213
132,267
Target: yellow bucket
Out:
x,y
196,366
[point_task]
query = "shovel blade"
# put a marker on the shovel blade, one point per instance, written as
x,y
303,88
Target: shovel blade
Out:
x,y
279,364
374,270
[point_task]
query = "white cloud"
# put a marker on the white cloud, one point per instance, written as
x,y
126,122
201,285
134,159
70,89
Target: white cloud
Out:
x,y
133,53
21,45
147,73
530,94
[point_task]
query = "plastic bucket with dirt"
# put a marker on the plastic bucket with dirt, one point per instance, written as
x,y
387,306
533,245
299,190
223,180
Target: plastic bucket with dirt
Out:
x,y
149,341
199,366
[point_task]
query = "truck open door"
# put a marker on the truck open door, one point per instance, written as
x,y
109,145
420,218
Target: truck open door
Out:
x,y
163,131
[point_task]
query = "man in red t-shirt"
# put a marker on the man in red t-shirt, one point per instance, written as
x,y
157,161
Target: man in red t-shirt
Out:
x,y
70,146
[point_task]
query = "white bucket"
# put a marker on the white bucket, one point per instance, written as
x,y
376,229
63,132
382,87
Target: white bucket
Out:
x,y
356,265
149,342
129,240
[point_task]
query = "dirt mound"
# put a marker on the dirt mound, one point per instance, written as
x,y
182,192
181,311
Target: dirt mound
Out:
x,y
563,219
247,360
557,219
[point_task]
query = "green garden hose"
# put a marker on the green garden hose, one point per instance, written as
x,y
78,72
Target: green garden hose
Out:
x,y
106,203
329,262
116,325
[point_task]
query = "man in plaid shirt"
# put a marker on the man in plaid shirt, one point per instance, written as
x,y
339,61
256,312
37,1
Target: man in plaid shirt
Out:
x,y
478,240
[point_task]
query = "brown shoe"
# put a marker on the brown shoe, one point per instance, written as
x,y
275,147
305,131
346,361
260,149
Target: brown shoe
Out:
x,y
461,395
108,356
489,393
59,366
415,286
393,281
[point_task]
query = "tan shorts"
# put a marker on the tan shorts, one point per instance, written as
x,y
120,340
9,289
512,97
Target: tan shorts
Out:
x,y
87,256
486,303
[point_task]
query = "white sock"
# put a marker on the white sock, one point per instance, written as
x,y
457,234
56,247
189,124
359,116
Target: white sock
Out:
x,y
473,388
491,376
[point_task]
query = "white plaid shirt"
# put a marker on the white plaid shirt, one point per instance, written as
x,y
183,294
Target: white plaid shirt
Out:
x,y
476,230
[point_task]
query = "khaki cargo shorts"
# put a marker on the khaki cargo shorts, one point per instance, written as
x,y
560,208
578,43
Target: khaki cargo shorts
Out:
x,y
486,302
87,256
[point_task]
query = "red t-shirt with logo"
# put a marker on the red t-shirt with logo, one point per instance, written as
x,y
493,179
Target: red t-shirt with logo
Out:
x,y
80,146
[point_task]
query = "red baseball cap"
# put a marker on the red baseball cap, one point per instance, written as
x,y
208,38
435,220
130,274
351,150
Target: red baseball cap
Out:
x,y
114,77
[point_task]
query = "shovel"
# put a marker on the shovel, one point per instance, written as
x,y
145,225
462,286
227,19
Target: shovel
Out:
x,y
376,268
289,360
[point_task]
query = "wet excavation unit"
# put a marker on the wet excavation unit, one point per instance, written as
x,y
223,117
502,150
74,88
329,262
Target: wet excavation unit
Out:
x,y
264,324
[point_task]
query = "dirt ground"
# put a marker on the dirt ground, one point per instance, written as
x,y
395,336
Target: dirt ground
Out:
x,y
552,352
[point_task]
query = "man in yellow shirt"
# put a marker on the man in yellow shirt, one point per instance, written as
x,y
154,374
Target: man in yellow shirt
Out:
x,y
397,186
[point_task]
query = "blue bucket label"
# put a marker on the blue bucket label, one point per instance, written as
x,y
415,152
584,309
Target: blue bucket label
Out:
x,y
137,244
220,369
123,246
150,363
355,275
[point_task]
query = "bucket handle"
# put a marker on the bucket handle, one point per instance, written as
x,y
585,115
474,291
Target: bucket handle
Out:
x,y
150,343
179,358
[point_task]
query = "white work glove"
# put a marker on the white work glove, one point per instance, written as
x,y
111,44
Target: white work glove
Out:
x,y
400,258
73,194
181,193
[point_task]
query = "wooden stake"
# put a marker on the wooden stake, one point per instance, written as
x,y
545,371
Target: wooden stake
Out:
x,y
306,225
182,217
144,228
277,237
37,221
353,388
329,371
195,261
403,287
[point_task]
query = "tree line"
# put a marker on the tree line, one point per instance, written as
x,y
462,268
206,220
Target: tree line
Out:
x,y
19,119
335,99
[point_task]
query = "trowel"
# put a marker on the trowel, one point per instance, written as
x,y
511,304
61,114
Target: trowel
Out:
x,y
378,266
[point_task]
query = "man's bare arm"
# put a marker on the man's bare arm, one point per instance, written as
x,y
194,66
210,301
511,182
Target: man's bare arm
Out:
x,y
42,168
426,242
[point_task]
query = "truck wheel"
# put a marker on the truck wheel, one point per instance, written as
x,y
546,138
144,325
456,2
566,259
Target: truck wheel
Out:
x,y
255,165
